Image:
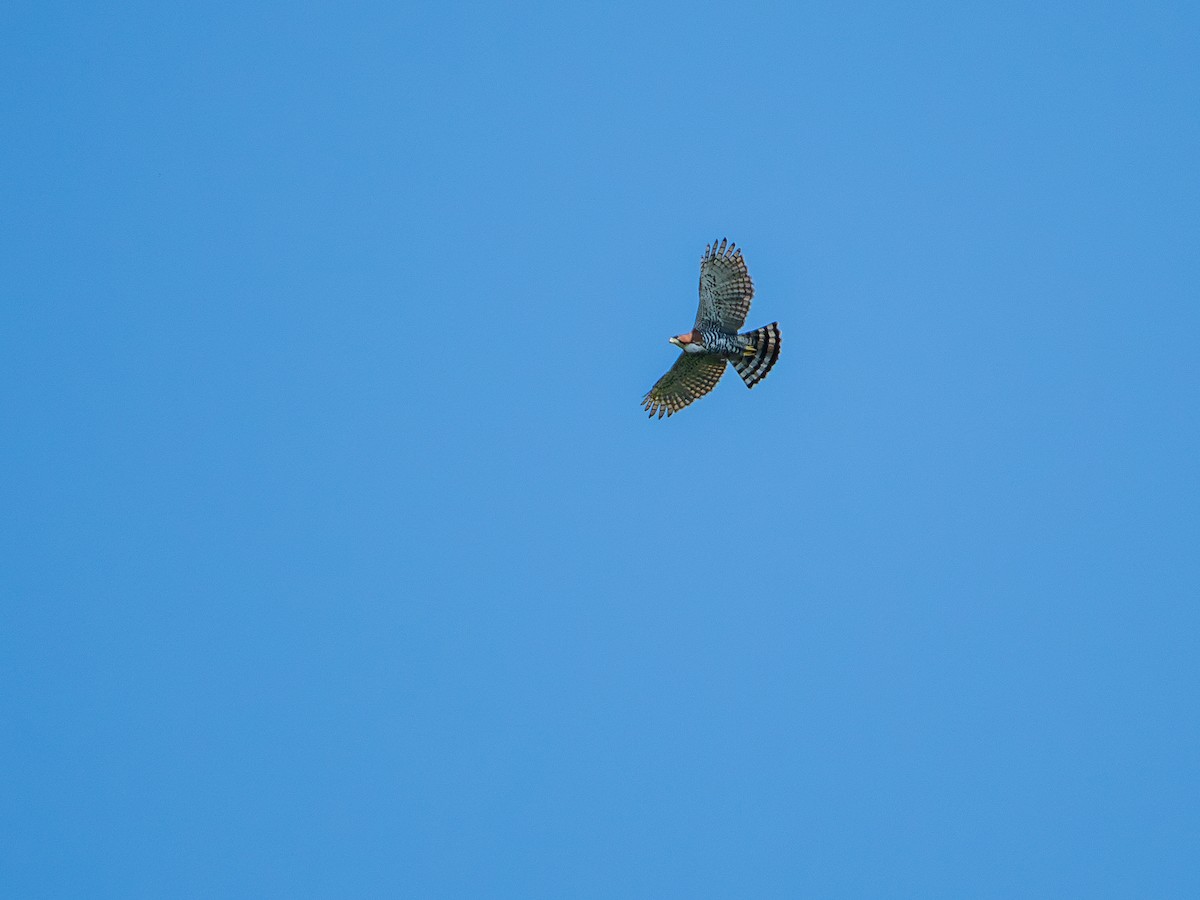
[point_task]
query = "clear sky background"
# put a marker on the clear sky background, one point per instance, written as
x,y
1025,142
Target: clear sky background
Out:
x,y
339,559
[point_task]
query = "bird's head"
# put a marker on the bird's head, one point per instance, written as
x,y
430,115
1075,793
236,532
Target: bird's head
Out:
x,y
688,340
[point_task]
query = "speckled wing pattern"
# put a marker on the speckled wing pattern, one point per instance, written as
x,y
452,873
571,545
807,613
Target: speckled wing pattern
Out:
x,y
692,376
725,288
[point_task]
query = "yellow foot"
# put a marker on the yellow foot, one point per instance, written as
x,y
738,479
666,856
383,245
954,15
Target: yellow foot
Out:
x,y
749,351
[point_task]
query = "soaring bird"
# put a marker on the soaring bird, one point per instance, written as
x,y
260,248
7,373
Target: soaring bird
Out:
x,y
725,294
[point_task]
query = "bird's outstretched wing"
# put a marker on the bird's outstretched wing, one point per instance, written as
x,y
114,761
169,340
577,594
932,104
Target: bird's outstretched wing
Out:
x,y
725,288
692,376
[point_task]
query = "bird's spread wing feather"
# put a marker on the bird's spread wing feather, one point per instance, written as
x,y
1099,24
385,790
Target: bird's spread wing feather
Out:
x,y
692,376
725,288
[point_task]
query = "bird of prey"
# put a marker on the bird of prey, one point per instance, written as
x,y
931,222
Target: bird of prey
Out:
x,y
725,294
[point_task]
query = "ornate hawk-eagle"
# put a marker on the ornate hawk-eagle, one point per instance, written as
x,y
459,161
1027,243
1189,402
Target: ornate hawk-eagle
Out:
x,y
725,294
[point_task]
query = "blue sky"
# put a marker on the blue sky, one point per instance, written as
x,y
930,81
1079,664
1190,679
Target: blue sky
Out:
x,y
341,561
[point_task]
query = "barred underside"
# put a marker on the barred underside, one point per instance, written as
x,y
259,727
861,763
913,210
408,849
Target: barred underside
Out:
x,y
767,342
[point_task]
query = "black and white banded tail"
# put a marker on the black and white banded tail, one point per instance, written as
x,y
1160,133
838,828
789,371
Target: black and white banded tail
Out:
x,y
766,342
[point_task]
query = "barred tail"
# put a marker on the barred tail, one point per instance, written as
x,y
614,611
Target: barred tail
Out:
x,y
761,354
